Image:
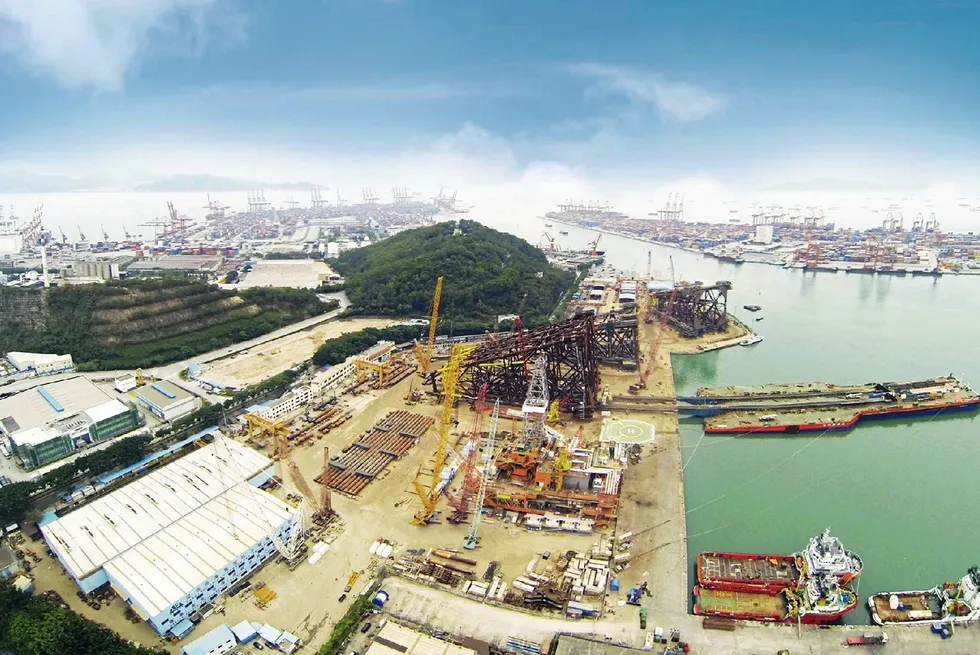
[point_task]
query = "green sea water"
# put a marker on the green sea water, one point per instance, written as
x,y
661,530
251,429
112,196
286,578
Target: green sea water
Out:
x,y
903,494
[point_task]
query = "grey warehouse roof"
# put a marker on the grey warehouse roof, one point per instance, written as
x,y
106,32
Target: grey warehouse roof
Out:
x,y
86,539
29,408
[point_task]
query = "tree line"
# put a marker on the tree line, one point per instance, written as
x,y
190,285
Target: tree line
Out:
x,y
33,625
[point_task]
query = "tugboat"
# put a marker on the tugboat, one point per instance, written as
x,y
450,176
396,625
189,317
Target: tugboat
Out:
x,y
820,600
950,602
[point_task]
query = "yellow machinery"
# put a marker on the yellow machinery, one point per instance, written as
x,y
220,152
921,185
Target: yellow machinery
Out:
x,y
552,417
142,378
425,354
383,369
259,425
450,391
563,463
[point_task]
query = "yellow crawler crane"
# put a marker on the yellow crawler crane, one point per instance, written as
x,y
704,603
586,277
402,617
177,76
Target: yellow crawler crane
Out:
x,y
450,392
425,353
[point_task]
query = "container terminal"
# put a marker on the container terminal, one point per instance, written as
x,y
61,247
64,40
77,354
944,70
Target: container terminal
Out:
x,y
794,237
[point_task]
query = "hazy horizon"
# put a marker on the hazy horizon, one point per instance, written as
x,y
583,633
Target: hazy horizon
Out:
x,y
717,98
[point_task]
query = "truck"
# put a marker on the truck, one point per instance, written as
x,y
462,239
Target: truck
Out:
x,y
867,639
643,618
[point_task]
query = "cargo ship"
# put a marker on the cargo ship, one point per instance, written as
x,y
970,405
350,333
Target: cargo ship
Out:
x,y
820,600
950,602
770,574
792,414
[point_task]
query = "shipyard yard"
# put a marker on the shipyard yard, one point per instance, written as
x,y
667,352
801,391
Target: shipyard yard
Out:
x,y
643,538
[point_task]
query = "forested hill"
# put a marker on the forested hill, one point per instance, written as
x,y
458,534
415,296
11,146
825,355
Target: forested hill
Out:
x,y
135,323
486,273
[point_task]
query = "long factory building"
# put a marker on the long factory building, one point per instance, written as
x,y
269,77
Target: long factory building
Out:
x,y
177,539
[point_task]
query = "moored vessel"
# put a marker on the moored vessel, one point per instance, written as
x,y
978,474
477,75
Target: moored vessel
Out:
x,y
819,600
764,573
950,602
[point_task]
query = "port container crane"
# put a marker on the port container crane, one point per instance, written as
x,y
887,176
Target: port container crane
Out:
x,y
473,538
450,391
81,235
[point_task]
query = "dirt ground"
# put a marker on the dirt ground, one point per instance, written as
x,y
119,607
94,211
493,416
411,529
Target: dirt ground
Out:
x,y
256,364
307,603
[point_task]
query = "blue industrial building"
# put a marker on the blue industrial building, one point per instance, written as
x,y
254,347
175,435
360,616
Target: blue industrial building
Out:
x,y
172,542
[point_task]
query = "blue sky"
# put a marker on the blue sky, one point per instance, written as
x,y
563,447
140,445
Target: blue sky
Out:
x,y
742,92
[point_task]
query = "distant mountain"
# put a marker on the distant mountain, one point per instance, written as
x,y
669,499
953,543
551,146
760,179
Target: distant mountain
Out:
x,y
27,182
827,184
218,183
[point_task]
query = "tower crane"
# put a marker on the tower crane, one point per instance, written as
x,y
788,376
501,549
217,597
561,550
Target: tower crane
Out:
x,y
450,391
473,538
425,354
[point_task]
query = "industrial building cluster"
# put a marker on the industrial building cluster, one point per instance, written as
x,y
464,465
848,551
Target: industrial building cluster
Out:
x,y
49,421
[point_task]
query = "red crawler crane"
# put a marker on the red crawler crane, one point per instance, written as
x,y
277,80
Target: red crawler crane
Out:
x,y
468,471
655,346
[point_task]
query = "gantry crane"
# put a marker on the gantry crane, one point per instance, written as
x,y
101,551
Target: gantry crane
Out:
x,y
383,369
450,390
259,425
425,354
473,538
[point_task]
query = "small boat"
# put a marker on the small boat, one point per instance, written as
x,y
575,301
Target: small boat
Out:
x,y
548,225
563,232
760,319
751,308
751,341
950,602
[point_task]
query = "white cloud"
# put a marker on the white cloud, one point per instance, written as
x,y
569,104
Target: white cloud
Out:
x,y
95,43
674,100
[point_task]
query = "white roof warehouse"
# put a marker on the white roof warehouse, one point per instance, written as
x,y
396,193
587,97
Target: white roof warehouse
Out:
x,y
175,540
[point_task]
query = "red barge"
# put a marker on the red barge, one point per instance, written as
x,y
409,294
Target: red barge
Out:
x,y
820,600
818,406
770,574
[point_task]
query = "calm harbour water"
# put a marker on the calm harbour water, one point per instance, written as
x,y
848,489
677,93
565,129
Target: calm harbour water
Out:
x,y
903,494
